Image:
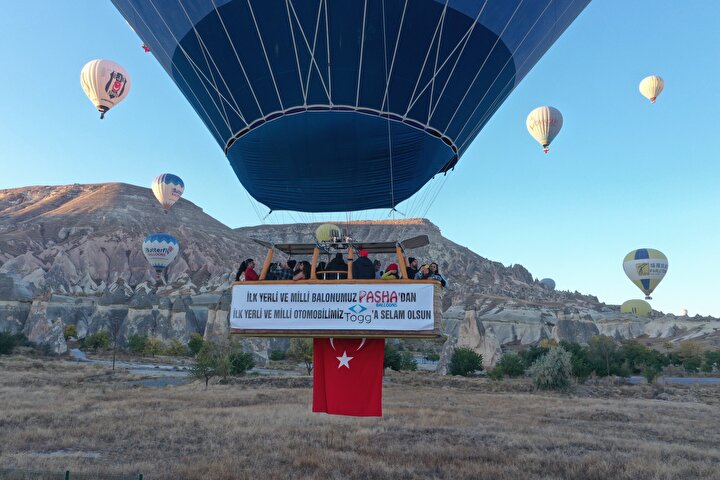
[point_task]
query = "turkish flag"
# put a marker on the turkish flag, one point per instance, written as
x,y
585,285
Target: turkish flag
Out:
x,y
347,376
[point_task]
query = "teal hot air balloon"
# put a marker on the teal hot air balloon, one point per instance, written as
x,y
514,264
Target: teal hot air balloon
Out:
x,y
311,99
645,267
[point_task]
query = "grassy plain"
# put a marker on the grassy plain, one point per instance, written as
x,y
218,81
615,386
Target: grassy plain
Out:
x,y
59,416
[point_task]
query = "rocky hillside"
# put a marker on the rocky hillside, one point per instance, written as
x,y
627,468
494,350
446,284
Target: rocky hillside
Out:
x,y
72,254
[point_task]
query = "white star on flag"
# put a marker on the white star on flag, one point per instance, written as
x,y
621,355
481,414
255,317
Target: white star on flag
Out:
x,y
344,360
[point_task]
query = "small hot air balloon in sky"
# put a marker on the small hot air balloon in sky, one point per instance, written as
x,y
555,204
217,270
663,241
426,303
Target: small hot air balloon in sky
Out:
x,y
548,283
651,86
544,123
645,267
168,189
636,307
105,83
160,249
326,232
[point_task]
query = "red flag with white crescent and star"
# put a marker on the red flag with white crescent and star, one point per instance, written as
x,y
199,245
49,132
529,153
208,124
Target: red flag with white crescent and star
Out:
x,y
347,376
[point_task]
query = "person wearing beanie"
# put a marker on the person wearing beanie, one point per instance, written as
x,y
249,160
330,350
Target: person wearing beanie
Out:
x,y
391,272
363,268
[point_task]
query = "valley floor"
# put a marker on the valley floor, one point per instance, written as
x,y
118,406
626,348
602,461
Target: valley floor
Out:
x,y
57,416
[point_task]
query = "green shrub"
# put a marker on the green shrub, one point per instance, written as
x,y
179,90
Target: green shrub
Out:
x,y
407,361
240,362
511,365
392,359
70,331
153,346
176,348
7,343
277,355
97,341
531,355
711,361
496,373
464,361
553,371
136,343
196,343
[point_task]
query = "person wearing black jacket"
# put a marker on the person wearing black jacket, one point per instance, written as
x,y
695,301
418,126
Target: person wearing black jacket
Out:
x,y
337,264
412,268
363,268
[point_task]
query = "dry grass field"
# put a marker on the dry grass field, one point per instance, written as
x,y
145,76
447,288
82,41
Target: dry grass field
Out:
x,y
60,416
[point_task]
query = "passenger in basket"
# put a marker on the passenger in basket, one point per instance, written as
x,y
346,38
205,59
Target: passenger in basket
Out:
x,y
435,274
363,268
302,271
391,272
423,273
281,272
412,268
378,269
246,271
337,264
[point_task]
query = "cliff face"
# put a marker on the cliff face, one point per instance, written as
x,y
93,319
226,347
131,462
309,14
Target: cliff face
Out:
x,y
72,255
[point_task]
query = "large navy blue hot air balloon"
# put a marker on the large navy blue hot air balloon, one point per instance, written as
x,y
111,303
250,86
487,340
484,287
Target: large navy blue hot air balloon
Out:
x,y
342,105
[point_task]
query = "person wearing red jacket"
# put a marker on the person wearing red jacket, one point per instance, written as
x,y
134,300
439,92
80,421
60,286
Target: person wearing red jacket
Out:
x,y
246,272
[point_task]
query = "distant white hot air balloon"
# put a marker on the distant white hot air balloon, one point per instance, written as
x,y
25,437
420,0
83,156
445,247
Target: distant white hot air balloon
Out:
x,y
105,83
684,312
651,86
168,189
544,123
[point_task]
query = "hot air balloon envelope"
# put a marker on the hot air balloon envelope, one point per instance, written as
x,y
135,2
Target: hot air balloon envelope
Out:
x,y
168,189
650,87
544,123
645,267
160,249
548,283
338,105
636,307
105,83
326,232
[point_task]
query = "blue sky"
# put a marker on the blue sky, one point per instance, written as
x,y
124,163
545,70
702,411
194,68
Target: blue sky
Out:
x,y
622,174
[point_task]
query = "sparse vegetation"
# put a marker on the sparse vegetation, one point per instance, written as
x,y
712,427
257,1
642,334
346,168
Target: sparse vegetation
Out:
x,y
277,355
153,346
7,343
301,350
464,361
136,343
70,330
97,341
552,371
195,343
432,428
176,348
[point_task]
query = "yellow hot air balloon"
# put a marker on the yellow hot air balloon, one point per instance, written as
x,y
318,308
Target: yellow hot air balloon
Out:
x,y
636,307
651,86
105,83
645,267
544,123
326,232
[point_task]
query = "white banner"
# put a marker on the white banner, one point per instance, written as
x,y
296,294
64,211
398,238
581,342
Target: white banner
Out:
x,y
378,306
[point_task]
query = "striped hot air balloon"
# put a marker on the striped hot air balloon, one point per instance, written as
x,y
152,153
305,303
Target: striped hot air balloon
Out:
x,y
160,249
645,267
168,189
